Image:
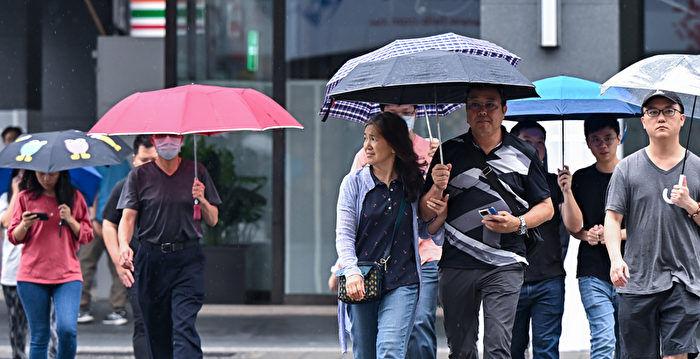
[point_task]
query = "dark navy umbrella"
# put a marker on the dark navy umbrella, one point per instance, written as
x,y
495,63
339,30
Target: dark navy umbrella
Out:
x,y
63,150
431,76
568,98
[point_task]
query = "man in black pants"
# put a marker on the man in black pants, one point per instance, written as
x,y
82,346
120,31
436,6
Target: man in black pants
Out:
x,y
483,260
144,152
158,197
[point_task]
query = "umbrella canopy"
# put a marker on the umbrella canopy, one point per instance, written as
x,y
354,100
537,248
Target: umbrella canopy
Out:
x,y
85,179
63,150
431,76
677,73
363,111
568,98
194,109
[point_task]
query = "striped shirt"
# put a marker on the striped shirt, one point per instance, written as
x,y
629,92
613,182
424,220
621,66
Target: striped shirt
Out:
x,y
469,244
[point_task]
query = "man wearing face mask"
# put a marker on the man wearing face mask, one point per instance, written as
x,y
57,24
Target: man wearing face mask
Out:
x,y
169,266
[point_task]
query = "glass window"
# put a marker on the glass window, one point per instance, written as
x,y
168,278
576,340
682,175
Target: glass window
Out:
x,y
671,26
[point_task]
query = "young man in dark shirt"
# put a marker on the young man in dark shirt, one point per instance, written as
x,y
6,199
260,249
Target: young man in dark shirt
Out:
x,y
583,213
542,295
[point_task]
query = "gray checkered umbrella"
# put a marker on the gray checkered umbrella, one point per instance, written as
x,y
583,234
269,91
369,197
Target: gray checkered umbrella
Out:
x,y
360,111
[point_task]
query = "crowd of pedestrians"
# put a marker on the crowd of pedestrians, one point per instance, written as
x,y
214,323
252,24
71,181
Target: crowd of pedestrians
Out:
x,y
638,265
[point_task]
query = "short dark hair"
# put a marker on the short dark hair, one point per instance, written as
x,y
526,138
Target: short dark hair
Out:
x,y
590,126
382,105
9,129
142,140
486,87
527,124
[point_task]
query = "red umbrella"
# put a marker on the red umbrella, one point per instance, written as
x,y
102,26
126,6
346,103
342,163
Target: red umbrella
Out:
x,y
194,109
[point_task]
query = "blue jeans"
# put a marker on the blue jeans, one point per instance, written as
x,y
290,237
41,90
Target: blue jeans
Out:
x,y
381,329
36,299
600,301
543,302
423,341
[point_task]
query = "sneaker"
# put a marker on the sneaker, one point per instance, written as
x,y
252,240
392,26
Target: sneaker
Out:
x,y
85,317
116,318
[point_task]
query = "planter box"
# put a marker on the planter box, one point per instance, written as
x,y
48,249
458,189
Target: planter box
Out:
x,y
224,274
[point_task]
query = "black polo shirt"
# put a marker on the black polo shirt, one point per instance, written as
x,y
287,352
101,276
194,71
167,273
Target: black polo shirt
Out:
x,y
517,166
164,203
375,229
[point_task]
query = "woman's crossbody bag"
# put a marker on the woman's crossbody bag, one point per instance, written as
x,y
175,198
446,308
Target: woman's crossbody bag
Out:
x,y
372,272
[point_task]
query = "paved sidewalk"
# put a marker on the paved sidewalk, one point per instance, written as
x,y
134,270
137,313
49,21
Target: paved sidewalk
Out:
x,y
234,331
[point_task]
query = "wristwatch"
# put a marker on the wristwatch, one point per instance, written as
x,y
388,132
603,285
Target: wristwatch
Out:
x,y
523,226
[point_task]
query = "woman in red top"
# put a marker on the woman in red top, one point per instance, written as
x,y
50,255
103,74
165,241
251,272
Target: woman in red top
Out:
x,y
49,268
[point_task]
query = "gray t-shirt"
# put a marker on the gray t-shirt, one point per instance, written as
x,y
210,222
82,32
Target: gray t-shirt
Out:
x,y
663,244
165,203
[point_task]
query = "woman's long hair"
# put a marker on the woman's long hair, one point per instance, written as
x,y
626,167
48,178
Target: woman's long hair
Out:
x,y
63,188
393,128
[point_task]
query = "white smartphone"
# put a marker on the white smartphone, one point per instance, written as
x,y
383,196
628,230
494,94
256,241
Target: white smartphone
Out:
x,y
485,212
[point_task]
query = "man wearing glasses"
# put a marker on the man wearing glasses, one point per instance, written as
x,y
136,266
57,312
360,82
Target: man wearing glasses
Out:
x,y
483,258
583,212
659,277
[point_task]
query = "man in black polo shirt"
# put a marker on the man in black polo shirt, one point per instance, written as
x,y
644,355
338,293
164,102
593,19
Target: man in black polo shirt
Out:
x,y
484,260
158,197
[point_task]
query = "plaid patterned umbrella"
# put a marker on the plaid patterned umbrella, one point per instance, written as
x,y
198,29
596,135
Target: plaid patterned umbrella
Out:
x,y
362,111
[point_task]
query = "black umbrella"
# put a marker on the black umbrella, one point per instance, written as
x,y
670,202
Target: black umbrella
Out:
x,y
63,150
431,76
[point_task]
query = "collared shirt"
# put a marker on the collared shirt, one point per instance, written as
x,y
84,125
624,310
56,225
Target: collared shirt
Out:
x,y
469,244
164,202
375,230
428,250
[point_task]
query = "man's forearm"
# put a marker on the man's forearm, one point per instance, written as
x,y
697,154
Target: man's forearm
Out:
x,y
210,213
539,213
613,235
571,215
109,235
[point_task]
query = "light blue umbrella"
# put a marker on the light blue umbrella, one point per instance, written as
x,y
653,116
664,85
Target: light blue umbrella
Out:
x,y
568,98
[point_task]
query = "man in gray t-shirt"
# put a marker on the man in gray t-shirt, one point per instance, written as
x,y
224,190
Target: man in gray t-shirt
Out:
x,y
659,278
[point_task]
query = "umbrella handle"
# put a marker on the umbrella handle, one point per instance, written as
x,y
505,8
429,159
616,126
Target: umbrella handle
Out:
x,y
665,192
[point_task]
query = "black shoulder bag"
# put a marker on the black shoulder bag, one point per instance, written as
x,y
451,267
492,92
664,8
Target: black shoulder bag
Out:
x,y
372,272
533,238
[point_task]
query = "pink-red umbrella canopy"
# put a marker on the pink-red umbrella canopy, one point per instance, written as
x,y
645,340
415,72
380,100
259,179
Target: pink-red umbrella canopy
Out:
x,y
194,109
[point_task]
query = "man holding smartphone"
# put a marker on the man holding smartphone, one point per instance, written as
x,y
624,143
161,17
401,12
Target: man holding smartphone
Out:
x,y
484,261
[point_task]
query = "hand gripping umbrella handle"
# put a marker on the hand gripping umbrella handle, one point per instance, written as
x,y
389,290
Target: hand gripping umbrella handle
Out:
x,y
665,193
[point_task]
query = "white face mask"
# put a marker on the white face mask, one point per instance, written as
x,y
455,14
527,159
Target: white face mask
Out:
x,y
168,147
410,120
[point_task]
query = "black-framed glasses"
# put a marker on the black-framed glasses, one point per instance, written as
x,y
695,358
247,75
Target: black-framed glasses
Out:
x,y
475,106
655,112
608,140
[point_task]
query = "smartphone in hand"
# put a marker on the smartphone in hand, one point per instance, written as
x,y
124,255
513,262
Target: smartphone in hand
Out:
x,y
485,212
41,216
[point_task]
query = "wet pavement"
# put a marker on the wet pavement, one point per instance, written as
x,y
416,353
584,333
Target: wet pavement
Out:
x,y
234,331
